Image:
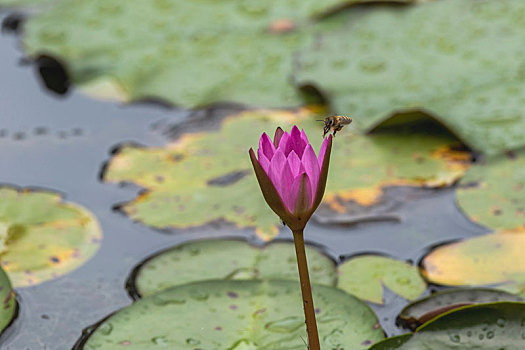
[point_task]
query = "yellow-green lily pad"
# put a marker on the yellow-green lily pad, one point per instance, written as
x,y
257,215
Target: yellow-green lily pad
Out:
x,y
457,60
483,326
493,193
365,276
490,259
42,236
237,315
207,176
9,306
229,260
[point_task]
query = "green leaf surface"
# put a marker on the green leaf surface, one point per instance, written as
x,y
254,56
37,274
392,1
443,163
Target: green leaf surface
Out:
x,y
490,326
491,202
392,343
364,276
187,180
490,259
24,3
459,60
42,236
251,8
229,260
190,53
425,309
7,297
263,315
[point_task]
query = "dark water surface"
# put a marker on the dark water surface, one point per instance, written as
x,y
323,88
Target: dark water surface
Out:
x,y
61,144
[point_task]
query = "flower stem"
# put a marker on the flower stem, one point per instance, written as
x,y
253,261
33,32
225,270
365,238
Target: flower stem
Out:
x,y
306,289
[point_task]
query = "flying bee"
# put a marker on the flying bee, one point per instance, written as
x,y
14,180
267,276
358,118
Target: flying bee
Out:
x,y
335,123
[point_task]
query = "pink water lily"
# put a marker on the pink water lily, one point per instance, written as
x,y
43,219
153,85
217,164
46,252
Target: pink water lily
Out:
x,y
292,179
291,176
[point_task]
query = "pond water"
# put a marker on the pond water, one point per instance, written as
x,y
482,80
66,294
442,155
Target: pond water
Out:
x,y
62,144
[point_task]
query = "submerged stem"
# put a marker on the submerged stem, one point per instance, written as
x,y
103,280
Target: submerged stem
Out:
x,y
306,289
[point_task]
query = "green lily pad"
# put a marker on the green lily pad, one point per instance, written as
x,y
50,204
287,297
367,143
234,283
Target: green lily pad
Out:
x,y
446,58
423,310
392,343
491,259
42,236
188,180
228,259
180,51
237,315
23,3
484,326
310,9
7,296
488,200
364,276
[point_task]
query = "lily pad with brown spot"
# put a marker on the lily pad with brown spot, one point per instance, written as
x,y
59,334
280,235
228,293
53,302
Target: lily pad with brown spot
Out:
x,y
488,326
423,310
493,193
444,58
365,276
263,315
206,176
495,259
230,260
8,305
43,236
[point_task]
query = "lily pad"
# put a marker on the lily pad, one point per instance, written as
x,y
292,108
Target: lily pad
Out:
x,y
188,180
180,51
42,236
23,3
423,310
491,259
7,296
484,326
237,315
392,343
364,276
445,58
229,260
488,200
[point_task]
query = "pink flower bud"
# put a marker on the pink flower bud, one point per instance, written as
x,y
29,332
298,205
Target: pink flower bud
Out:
x,y
292,178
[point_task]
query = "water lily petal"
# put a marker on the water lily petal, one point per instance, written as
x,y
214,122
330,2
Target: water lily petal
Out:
x,y
277,137
295,163
304,137
286,181
322,151
295,143
276,167
283,141
270,194
325,152
298,200
265,162
311,166
267,146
